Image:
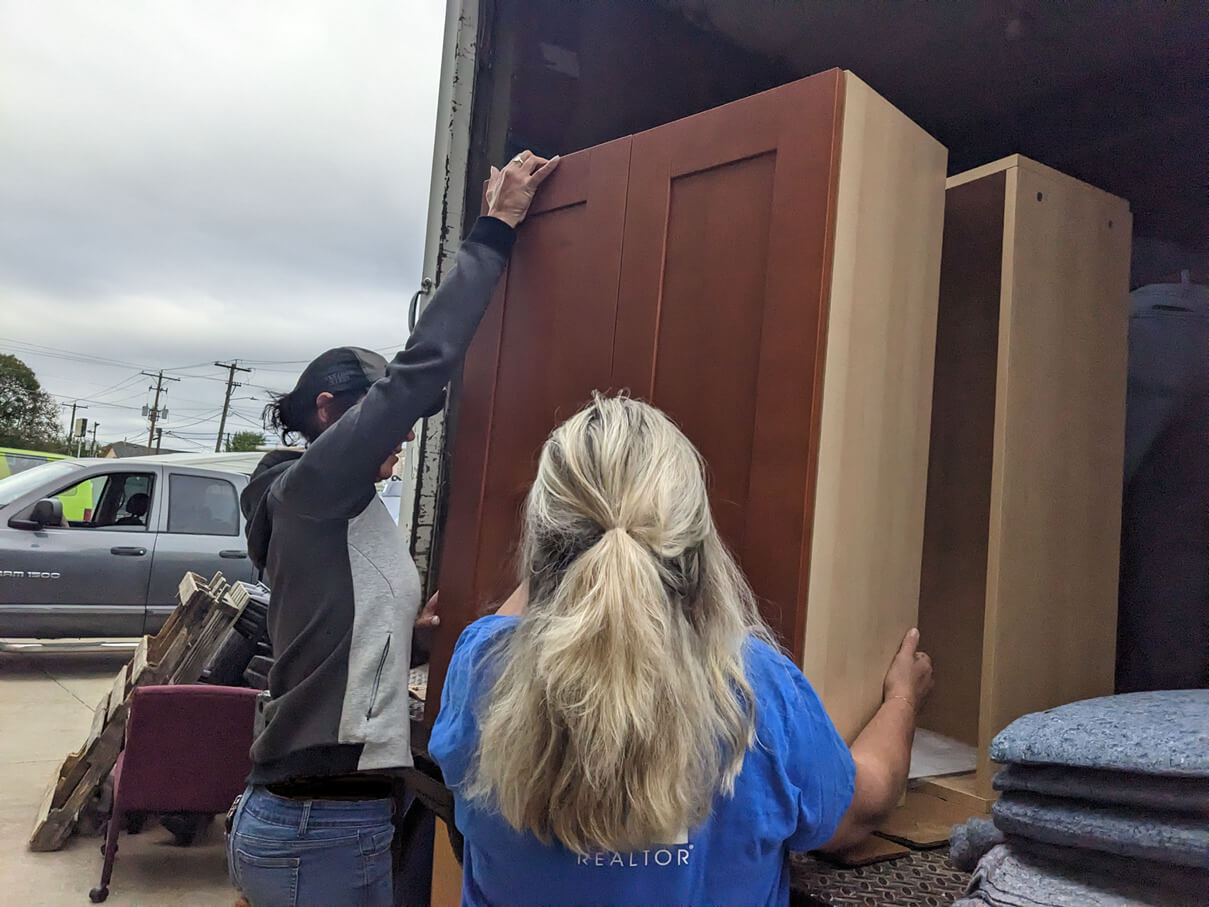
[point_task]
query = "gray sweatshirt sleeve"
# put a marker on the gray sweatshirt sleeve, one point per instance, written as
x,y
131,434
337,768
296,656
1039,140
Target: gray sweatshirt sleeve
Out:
x,y
335,477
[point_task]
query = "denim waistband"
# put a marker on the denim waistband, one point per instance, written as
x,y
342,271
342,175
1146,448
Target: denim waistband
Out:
x,y
268,807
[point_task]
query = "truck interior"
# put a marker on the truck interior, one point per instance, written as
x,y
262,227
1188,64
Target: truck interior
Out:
x,y
1110,93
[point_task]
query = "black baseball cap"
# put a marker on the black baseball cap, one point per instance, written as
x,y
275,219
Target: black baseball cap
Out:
x,y
350,368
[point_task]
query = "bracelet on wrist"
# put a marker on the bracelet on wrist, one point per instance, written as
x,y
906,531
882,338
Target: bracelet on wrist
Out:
x,y
905,699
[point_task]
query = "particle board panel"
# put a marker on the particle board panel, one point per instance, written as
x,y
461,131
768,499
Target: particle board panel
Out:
x,y
952,601
446,871
1055,508
868,515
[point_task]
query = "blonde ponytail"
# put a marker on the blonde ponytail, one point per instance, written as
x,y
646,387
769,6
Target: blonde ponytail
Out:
x,y
622,706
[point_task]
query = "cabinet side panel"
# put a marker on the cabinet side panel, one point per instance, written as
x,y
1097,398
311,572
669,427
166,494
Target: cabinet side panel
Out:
x,y
952,593
877,397
1059,450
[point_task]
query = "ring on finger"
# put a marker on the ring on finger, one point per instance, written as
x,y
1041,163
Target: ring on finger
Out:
x,y
519,159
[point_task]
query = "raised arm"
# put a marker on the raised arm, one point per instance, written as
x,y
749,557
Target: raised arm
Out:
x,y
882,751
340,466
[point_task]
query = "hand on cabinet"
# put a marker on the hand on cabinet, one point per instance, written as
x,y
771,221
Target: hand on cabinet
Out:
x,y
510,191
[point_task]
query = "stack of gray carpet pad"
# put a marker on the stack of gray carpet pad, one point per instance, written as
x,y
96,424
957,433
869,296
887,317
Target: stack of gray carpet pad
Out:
x,y
1103,803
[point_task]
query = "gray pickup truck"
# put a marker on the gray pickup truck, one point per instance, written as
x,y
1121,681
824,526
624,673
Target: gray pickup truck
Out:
x,y
97,548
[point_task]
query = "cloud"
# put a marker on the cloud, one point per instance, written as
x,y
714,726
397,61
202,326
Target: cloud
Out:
x,y
182,182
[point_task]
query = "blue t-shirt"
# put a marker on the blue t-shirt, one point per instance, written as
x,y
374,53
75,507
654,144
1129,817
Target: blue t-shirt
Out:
x,y
795,786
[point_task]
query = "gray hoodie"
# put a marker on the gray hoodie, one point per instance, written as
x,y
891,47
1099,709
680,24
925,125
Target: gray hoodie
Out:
x,y
345,593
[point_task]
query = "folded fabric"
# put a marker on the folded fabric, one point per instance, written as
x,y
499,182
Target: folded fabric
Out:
x,y
970,842
1185,881
1154,733
1180,795
1147,834
1017,875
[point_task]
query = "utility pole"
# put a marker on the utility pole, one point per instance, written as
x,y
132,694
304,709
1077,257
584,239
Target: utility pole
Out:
x,y
71,428
155,410
232,368
95,426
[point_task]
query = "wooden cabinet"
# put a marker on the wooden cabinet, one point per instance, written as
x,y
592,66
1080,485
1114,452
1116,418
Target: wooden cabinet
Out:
x,y
766,273
1019,589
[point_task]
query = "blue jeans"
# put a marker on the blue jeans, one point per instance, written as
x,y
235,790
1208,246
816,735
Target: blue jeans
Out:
x,y
311,853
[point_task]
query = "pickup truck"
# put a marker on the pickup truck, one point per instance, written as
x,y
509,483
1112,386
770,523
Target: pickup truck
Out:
x,y
108,564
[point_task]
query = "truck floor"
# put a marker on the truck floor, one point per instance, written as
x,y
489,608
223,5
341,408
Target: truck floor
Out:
x,y
923,878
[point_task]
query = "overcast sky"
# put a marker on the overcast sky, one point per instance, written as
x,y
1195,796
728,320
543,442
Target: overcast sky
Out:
x,y
190,180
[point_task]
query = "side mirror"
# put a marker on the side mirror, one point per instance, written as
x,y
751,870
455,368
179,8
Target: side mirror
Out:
x,y
47,512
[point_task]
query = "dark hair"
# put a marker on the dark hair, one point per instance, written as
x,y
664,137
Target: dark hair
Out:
x,y
291,415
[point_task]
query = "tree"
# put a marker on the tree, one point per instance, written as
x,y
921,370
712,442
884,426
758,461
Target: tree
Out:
x,y
29,417
244,442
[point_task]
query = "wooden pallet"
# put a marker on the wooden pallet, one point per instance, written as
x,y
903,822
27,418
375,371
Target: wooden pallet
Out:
x,y
177,654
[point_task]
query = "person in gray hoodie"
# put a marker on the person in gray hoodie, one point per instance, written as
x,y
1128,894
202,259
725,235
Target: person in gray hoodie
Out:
x,y
314,825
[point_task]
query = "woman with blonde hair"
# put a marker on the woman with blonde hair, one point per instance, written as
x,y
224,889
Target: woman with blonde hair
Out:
x,y
624,730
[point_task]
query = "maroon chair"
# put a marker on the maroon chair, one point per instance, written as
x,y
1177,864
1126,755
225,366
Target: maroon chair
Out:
x,y
186,751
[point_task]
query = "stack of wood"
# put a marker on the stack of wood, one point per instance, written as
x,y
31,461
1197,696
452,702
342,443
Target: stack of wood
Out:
x,y
177,654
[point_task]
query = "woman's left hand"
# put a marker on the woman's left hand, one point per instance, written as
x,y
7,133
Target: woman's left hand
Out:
x,y
510,191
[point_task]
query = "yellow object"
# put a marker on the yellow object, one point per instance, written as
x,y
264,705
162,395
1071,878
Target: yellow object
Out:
x,y
78,501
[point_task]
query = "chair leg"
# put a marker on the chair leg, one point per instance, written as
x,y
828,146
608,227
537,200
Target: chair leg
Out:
x,y
100,893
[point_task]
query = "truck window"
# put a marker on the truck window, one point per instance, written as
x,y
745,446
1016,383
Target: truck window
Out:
x,y
201,505
117,501
80,501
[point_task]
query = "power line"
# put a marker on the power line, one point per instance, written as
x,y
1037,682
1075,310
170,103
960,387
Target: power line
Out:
x,y
209,417
49,352
33,349
249,420
135,396
198,377
257,363
185,368
57,353
195,443
100,403
114,387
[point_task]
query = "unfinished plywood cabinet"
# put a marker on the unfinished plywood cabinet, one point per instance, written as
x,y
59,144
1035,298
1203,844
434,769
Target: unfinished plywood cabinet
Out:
x,y
1019,584
766,273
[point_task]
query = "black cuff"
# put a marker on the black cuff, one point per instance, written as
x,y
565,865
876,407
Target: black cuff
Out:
x,y
494,234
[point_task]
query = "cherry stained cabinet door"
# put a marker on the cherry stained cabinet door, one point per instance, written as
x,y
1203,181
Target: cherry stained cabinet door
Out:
x,y
723,313
545,344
